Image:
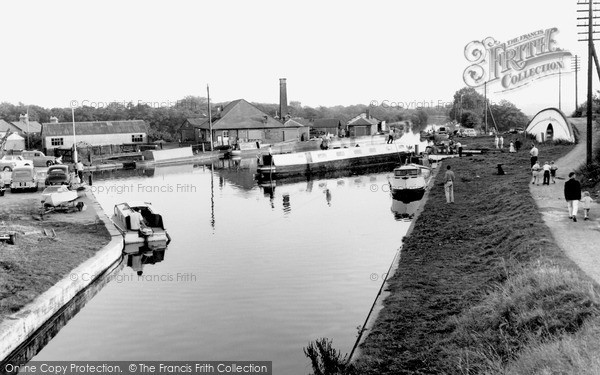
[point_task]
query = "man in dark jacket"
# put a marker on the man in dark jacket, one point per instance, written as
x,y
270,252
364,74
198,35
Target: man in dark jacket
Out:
x,y
572,195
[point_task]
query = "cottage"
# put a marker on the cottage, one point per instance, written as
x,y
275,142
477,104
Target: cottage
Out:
x,y
550,124
24,126
94,133
238,121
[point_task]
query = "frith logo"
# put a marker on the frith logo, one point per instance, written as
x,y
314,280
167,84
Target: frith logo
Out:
x,y
515,63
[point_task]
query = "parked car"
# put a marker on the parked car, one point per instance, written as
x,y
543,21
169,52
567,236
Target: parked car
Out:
x,y
9,162
38,158
4,181
23,178
57,175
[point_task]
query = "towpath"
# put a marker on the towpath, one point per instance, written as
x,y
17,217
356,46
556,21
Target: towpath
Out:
x,y
579,240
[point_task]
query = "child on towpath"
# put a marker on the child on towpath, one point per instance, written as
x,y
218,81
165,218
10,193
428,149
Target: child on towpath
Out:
x,y
586,204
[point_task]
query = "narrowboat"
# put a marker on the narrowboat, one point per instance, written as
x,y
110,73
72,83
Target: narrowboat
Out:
x,y
323,161
153,230
409,181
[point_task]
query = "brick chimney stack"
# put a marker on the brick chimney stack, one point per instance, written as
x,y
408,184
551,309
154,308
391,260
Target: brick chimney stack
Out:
x,y
283,107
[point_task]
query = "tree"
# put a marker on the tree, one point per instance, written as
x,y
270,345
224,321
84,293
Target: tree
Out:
x,y
507,116
419,118
467,99
470,119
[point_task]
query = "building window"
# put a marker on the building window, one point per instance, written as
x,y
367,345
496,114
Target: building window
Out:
x,y
57,141
225,133
137,138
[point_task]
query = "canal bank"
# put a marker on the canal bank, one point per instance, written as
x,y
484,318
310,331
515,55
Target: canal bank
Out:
x,y
384,292
480,281
16,328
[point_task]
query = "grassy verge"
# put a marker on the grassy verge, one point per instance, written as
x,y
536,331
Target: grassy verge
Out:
x,y
481,283
37,262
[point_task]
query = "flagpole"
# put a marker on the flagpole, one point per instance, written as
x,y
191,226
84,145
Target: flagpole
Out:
x,y
209,118
27,119
74,141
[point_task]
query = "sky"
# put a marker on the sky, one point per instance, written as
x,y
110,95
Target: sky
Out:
x,y
69,53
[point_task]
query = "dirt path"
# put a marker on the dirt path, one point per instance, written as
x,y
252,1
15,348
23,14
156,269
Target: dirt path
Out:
x,y
580,240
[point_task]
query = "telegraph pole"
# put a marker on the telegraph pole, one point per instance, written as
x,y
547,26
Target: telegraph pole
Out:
x,y
559,90
590,39
485,100
575,67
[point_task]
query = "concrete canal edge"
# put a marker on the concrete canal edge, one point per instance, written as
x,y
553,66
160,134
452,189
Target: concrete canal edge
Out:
x,y
383,291
18,327
198,158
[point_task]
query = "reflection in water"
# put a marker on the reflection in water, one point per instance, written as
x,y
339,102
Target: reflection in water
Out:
x,y
286,204
404,211
140,255
212,198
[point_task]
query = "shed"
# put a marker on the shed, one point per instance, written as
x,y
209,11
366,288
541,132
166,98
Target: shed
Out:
x,y
362,125
550,124
326,126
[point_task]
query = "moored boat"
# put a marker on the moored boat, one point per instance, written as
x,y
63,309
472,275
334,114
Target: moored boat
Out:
x,y
153,230
323,161
409,182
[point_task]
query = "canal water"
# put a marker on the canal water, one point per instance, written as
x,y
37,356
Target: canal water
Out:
x,y
253,272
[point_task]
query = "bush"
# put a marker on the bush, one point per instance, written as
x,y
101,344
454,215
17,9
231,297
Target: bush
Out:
x,y
326,360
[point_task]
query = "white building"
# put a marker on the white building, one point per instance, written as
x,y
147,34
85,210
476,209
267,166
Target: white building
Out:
x,y
93,133
550,124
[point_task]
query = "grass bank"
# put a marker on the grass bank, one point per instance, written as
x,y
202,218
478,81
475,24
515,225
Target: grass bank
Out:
x,y
37,261
481,286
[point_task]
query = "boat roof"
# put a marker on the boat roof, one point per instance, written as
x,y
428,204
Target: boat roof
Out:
x,y
133,204
408,166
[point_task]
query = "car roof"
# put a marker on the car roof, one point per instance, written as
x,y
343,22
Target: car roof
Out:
x,y
58,167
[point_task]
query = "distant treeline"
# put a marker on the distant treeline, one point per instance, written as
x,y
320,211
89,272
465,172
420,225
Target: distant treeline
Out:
x,y
164,119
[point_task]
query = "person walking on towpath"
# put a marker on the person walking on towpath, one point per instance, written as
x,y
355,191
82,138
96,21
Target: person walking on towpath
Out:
x,y
535,173
546,169
534,154
497,141
572,195
449,185
511,147
553,169
501,142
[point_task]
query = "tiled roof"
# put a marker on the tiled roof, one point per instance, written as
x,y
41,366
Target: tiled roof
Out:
x,y
326,123
34,126
94,127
